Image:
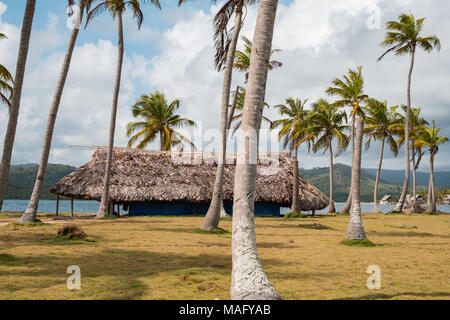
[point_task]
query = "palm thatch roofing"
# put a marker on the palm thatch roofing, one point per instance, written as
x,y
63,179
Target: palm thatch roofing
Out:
x,y
141,176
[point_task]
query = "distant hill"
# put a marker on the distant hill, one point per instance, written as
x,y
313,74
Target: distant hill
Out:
x,y
21,180
441,178
319,177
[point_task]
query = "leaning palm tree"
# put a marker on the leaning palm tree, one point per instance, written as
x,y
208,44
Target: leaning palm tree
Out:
x,y
430,139
16,95
350,91
295,120
381,124
416,126
6,80
225,52
30,213
116,8
248,280
324,124
159,118
403,37
242,60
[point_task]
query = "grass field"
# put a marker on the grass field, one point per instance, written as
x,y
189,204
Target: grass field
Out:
x,y
165,258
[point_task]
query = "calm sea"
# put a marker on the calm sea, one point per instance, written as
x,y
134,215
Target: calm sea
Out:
x,y
87,206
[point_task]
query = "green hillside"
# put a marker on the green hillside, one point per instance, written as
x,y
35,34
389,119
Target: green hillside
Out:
x,y
21,180
320,178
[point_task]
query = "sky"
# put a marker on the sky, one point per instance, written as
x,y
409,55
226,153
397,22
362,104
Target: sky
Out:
x,y
173,52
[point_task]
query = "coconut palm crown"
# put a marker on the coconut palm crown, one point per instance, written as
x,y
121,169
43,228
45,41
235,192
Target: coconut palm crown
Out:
x,y
158,118
6,81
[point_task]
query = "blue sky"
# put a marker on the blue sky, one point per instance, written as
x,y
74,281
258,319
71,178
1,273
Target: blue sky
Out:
x,y
173,52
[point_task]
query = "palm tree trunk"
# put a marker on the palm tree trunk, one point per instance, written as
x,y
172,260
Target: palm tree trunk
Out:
x,y
30,213
233,108
211,221
295,196
433,191
429,191
103,209
399,206
348,202
331,208
377,179
248,280
414,167
161,141
355,227
16,95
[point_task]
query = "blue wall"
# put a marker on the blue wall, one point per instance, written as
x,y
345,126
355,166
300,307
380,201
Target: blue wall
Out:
x,y
178,208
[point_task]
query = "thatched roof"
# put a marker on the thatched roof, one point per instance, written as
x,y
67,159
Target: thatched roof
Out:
x,y
139,175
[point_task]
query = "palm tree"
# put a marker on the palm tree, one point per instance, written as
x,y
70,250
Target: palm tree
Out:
x,y
116,8
416,126
350,90
159,119
295,119
381,124
324,124
431,140
248,280
16,95
242,60
30,213
224,57
403,37
355,227
5,82
239,105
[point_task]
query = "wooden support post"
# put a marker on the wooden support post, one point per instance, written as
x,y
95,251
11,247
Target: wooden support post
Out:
x,y
111,209
118,210
57,204
71,206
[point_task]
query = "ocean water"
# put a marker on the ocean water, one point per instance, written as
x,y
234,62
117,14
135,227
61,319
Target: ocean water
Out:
x,y
89,206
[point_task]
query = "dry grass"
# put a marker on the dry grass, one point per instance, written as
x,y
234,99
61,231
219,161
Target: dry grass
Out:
x,y
165,258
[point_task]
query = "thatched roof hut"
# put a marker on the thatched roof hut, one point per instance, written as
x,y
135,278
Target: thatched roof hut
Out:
x,y
146,176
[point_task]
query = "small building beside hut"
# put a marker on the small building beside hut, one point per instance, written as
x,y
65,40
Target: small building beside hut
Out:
x,y
446,200
173,183
419,199
386,199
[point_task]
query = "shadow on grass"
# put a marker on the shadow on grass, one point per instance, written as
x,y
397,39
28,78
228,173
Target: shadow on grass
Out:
x,y
123,269
384,296
410,234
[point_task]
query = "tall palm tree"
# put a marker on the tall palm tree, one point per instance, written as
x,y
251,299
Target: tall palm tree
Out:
x,y
355,229
248,280
224,57
431,140
239,105
403,37
16,95
242,60
30,213
350,90
116,8
326,123
159,119
5,82
416,125
381,124
295,119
